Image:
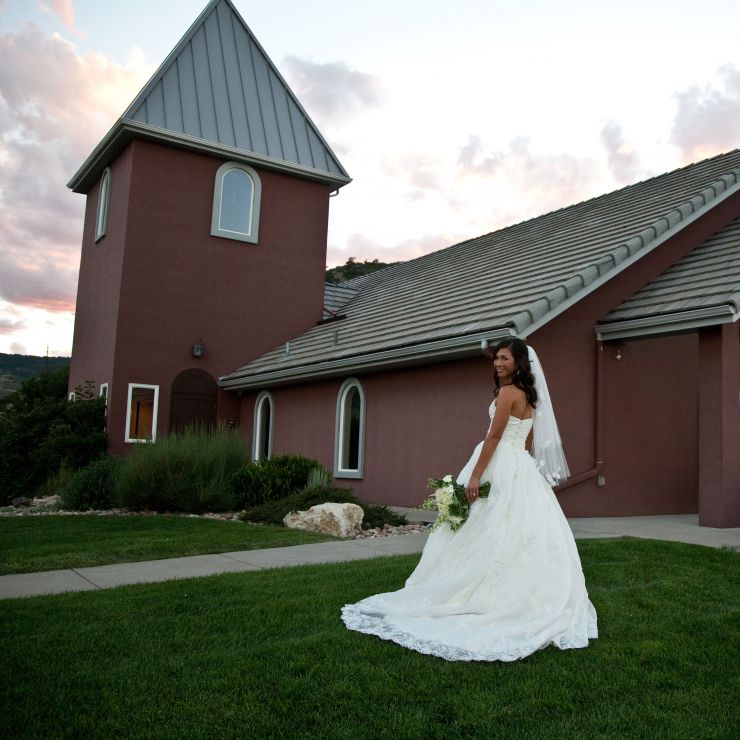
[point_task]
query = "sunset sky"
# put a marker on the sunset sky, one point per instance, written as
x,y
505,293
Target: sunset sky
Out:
x,y
453,117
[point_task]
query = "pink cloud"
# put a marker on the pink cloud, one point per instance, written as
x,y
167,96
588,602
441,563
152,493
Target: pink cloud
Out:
x,y
472,158
362,247
623,161
534,183
9,326
421,171
65,11
332,89
706,122
55,105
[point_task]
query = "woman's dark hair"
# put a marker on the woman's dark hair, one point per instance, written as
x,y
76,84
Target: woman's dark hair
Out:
x,y
522,378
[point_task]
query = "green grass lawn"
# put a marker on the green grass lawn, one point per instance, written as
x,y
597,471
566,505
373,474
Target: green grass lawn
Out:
x,y
29,544
265,654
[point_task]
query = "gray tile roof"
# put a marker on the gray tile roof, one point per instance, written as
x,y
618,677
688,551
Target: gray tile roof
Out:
x,y
218,90
337,296
707,280
510,281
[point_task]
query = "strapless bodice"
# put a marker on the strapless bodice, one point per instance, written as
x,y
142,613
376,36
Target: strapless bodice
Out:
x,y
516,431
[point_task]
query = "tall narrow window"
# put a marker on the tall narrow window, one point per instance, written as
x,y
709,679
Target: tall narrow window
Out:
x,y
350,431
236,203
141,412
101,219
263,424
104,394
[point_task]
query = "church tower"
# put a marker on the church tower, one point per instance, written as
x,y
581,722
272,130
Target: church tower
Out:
x,y
204,242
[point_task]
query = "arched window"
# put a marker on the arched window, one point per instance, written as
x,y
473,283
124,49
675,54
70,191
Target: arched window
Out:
x,y
236,203
101,219
349,439
263,424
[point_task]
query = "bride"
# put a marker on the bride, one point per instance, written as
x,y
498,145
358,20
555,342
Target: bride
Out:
x,y
508,582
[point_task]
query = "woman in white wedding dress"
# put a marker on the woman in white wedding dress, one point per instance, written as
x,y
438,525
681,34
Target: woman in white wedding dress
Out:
x,y
509,581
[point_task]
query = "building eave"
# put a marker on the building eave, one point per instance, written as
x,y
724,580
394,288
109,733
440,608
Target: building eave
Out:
x,y
561,298
669,323
441,350
124,131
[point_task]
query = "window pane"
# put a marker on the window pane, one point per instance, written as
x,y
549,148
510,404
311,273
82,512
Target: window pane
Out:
x,y
351,430
263,439
236,202
142,414
101,223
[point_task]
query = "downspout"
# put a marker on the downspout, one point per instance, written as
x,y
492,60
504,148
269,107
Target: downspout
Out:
x,y
595,471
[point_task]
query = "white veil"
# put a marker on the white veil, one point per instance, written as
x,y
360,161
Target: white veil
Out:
x,y
547,448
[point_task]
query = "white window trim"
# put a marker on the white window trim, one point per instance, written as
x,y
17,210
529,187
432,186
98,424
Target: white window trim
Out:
x,y
216,229
101,216
262,398
340,472
72,396
155,412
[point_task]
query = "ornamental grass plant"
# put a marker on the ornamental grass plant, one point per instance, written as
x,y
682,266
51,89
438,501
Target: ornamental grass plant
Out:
x,y
189,471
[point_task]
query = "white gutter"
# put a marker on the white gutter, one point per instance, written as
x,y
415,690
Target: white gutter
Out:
x,y
671,323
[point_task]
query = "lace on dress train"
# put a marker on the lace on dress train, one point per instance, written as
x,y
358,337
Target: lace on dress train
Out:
x,y
507,583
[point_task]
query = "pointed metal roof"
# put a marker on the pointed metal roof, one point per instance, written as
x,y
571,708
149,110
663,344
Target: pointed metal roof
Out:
x,y
219,92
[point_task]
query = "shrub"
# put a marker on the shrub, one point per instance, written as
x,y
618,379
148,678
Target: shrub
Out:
x,y
40,431
54,484
94,486
273,512
377,515
269,480
189,471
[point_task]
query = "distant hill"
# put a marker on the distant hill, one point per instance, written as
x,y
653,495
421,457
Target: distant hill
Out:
x,y
14,369
352,269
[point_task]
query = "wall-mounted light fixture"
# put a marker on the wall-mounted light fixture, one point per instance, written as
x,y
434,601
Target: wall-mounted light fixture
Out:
x,y
199,348
618,353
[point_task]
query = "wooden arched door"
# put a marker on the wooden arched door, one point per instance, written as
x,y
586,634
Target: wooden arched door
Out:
x,y
193,401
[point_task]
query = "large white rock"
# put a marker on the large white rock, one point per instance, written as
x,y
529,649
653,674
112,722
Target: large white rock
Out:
x,y
339,520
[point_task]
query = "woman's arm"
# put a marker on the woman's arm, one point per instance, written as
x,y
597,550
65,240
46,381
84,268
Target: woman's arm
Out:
x,y
504,404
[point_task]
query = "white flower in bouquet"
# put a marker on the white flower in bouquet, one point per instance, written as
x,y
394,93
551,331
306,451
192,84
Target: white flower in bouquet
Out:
x,y
450,501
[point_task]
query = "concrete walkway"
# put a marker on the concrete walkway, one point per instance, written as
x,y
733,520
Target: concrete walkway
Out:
x,y
678,528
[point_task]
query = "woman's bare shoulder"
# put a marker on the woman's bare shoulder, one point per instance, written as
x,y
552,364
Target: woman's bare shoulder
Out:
x,y
510,391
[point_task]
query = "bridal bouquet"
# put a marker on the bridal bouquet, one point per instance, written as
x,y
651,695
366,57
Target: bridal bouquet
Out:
x,y
450,501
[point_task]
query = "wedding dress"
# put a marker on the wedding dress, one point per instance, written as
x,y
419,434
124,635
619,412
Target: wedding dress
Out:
x,y
508,582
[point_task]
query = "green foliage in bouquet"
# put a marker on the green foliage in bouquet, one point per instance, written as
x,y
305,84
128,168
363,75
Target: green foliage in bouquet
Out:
x,y
450,501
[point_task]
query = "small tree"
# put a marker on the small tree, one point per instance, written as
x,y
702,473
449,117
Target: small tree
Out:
x,y
40,431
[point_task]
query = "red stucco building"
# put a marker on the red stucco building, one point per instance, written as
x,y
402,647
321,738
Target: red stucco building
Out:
x,y
201,297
